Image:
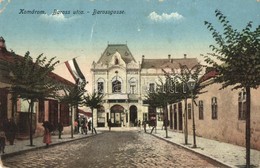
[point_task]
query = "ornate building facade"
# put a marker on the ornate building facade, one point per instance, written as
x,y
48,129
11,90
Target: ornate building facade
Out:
x,y
125,83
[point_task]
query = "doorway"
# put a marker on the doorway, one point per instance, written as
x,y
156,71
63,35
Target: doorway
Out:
x,y
116,115
133,115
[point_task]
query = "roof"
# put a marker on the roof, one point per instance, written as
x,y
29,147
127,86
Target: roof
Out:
x,y
168,63
111,49
209,75
8,57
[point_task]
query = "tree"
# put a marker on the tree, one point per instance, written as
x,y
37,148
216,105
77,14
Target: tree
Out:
x,y
166,92
184,78
192,90
239,57
30,81
74,97
93,101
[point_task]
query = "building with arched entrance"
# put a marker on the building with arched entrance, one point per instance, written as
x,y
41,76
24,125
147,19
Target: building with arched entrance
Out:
x,y
125,83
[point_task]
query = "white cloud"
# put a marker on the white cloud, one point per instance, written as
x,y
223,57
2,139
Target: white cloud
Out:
x,y
161,0
165,17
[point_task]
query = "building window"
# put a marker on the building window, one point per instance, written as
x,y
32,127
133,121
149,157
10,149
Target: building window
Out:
x,y
242,105
116,86
152,87
189,110
132,89
132,84
116,61
214,108
100,88
201,117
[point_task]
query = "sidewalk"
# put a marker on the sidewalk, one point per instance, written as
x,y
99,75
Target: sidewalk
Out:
x,y
225,153
21,146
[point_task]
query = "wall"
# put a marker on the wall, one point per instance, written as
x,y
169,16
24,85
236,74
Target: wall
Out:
x,y
227,127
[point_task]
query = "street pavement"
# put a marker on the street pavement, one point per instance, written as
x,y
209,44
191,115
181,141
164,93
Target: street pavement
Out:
x,y
227,154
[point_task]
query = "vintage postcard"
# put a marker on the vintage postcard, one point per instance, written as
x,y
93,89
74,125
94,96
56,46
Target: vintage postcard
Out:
x,y
129,83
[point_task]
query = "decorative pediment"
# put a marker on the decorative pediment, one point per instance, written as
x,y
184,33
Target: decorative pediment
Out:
x,y
117,60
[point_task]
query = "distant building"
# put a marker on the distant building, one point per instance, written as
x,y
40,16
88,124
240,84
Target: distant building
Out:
x,y
125,83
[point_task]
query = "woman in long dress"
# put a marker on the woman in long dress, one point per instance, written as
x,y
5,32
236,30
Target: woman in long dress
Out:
x,y
47,134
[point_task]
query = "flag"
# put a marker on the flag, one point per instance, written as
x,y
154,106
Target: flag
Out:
x,y
76,73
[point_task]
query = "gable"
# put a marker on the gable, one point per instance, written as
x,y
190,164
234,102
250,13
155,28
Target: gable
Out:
x,y
112,49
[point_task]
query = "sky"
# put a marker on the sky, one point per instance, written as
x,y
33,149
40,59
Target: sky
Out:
x,y
154,28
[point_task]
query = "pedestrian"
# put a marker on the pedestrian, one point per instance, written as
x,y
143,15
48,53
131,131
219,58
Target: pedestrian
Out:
x,y
10,129
60,129
2,142
89,125
76,126
144,125
86,127
109,124
139,125
79,125
47,133
83,126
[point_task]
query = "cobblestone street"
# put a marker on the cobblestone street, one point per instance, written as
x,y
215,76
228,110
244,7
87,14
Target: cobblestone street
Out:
x,y
111,149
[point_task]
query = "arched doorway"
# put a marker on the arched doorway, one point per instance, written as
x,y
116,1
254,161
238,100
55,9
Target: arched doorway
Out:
x,y
116,115
133,115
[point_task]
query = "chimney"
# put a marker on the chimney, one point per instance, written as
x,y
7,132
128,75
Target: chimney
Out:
x,y
142,58
2,43
169,56
185,56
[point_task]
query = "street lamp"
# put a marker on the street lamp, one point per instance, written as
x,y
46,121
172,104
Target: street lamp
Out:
x,y
191,85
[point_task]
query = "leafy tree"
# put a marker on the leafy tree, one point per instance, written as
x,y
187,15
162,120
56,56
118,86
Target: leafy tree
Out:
x,y
74,97
166,93
194,73
93,101
30,81
184,77
239,55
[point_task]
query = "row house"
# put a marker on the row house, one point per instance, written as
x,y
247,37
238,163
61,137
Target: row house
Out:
x,y
219,114
44,110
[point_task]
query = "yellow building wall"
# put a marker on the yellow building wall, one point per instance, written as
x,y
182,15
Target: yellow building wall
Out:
x,y
227,127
